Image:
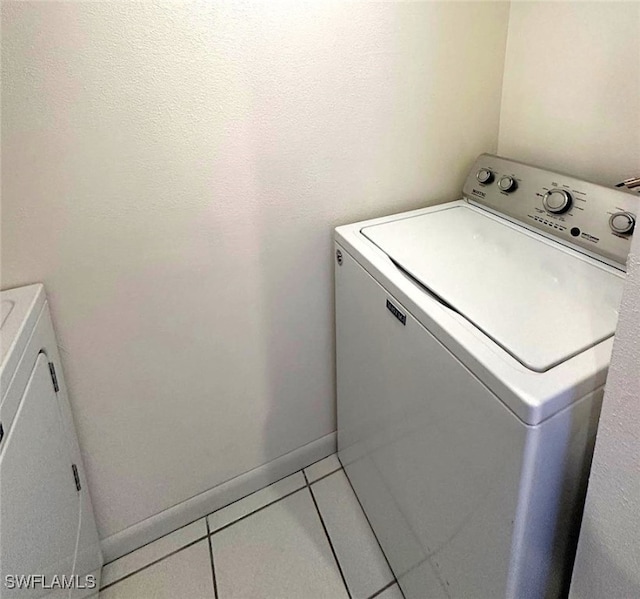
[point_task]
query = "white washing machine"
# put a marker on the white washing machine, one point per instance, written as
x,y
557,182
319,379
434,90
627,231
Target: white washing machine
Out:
x,y
49,543
473,341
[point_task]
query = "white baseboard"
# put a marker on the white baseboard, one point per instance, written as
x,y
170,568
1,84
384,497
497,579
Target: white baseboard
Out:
x,y
160,524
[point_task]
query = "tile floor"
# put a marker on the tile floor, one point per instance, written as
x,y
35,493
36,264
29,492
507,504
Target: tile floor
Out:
x,y
304,537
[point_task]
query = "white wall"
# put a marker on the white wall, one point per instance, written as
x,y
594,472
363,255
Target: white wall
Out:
x,y
608,559
571,100
571,94
172,173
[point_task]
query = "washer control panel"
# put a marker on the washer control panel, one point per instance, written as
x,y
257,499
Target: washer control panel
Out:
x,y
594,217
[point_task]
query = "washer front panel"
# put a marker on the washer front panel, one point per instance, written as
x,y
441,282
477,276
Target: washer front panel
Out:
x,y
439,463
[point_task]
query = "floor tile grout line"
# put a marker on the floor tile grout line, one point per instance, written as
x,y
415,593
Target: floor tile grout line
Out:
x,y
153,563
315,480
213,567
383,589
262,507
154,540
207,515
395,580
321,459
209,532
206,519
375,536
421,563
262,488
275,482
326,532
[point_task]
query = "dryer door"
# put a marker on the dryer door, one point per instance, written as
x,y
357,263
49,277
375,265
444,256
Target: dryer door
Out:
x,y
39,503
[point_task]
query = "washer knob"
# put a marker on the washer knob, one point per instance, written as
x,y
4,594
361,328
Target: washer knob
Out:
x,y
484,175
507,184
556,201
622,222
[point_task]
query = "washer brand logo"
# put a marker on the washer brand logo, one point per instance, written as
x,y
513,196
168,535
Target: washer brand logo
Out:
x,y
399,315
477,192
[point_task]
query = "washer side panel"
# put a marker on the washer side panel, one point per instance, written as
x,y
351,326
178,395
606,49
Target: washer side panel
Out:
x,y
556,473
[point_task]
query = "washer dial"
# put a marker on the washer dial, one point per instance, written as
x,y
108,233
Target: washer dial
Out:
x,y
556,201
507,184
484,175
622,222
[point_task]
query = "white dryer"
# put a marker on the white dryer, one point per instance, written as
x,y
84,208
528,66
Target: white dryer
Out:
x,y
473,342
49,543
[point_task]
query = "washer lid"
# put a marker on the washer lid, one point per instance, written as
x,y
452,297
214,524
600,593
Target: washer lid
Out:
x,y
539,301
